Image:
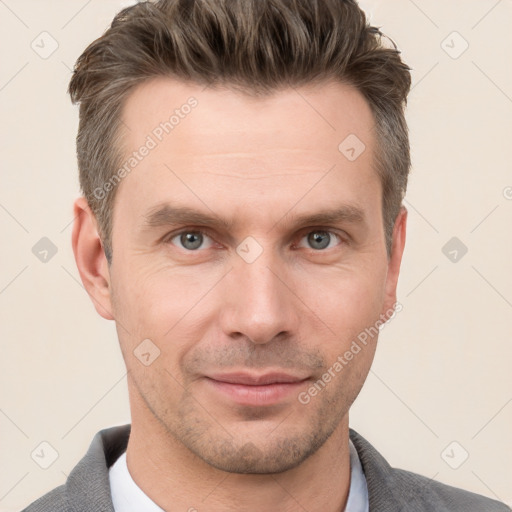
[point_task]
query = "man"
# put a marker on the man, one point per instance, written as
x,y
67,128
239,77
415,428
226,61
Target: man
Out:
x,y
243,164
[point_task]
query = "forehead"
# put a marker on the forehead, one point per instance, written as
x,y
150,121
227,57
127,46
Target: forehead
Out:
x,y
320,116
208,145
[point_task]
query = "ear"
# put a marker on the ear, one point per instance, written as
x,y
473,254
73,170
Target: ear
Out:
x,y
90,258
397,250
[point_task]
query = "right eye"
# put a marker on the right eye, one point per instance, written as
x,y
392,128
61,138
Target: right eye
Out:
x,y
190,240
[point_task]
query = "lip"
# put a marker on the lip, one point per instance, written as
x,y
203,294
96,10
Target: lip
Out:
x,y
255,389
252,379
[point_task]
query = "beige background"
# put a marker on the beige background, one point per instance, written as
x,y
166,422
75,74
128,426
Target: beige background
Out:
x,y
442,371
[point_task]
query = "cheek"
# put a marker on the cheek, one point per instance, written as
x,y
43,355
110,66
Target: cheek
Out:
x,y
349,303
154,329
346,299
163,304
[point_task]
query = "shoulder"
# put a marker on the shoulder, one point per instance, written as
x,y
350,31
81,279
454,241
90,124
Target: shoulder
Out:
x,y
397,490
54,501
87,486
423,493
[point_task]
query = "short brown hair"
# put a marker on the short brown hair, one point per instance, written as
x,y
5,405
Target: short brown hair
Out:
x,y
258,46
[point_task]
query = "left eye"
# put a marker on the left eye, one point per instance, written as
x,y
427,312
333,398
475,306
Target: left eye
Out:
x,y
320,239
190,240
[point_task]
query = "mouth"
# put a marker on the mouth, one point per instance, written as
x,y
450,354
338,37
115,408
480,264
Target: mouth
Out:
x,y
251,389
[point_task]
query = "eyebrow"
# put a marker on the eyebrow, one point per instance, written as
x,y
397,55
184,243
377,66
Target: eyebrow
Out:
x,y
169,215
344,213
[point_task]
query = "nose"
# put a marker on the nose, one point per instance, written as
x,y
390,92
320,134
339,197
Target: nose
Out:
x,y
259,302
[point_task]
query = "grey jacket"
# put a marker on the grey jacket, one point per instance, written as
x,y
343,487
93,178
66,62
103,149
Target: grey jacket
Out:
x,y
87,488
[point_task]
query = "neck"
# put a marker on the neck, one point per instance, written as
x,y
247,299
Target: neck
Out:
x,y
177,480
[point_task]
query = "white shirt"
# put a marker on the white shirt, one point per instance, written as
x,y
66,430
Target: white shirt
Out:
x,y
127,496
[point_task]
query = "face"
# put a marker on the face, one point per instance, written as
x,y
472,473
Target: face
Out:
x,y
248,255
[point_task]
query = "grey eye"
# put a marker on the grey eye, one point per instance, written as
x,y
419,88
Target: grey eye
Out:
x,y
191,240
319,239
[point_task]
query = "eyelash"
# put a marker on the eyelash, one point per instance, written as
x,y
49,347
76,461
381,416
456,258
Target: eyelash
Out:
x,y
343,239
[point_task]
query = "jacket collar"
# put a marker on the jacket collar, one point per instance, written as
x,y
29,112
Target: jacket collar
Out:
x,y
88,485
379,475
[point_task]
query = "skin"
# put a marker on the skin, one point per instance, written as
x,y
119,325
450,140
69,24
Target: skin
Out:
x,y
259,164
